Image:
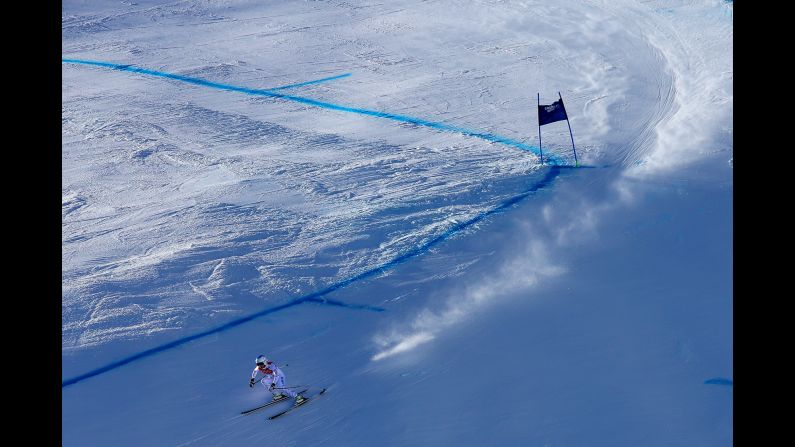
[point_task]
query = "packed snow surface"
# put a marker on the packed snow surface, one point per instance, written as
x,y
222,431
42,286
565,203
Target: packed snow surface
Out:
x,y
380,220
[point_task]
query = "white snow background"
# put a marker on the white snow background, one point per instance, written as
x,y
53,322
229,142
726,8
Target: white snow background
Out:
x,y
596,310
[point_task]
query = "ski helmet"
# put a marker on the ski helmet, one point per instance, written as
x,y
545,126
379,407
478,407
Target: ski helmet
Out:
x,y
261,360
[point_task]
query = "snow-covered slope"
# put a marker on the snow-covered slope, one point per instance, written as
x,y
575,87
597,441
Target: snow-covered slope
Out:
x,y
463,292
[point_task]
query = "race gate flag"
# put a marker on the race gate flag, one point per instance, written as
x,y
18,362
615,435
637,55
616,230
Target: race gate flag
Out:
x,y
551,113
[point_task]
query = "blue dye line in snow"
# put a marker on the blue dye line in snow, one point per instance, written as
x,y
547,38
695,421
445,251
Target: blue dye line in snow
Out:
x,y
326,105
215,330
329,302
316,81
554,171
175,343
197,81
719,381
315,297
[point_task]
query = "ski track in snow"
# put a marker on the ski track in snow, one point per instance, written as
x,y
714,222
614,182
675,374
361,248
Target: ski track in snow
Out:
x,y
183,208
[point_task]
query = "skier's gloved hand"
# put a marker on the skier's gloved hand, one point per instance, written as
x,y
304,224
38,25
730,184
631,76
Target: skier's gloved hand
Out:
x,y
251,383
273,385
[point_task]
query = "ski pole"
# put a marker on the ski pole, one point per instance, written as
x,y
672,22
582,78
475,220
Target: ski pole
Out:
x,y
284,387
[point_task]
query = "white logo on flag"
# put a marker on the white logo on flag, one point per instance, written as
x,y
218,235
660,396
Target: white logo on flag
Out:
x,y
550,108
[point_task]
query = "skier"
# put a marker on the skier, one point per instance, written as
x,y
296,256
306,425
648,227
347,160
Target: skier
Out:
x,y
273,380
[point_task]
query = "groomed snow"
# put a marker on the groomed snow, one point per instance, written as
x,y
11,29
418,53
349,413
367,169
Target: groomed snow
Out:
x,y
595,310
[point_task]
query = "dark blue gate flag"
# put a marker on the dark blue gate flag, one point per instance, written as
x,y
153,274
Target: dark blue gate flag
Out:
x,y
551,113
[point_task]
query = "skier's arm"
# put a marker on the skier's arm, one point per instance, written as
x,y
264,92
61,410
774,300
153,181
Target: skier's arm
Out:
x,y
253,375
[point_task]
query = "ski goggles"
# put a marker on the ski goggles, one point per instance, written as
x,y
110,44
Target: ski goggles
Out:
x,y
260,364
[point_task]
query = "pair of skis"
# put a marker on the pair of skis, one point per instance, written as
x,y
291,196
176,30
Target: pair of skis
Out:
x,y
276,401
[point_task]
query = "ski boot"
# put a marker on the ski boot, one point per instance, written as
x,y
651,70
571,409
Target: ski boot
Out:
x,y
279,396
299,399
